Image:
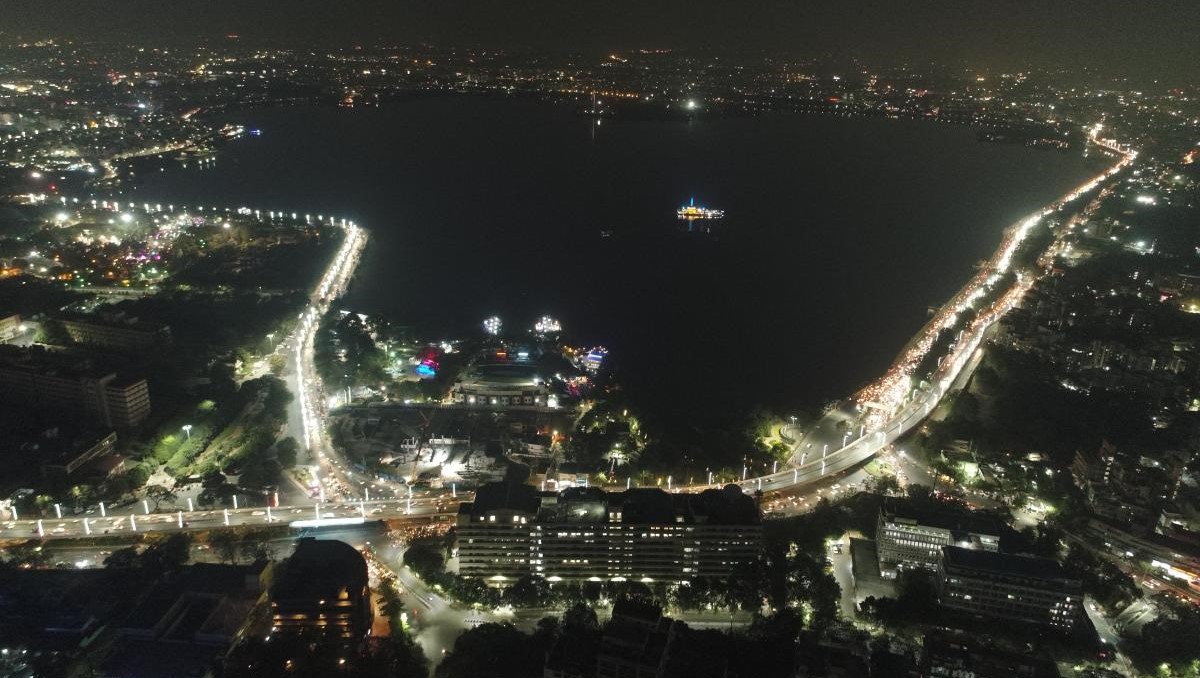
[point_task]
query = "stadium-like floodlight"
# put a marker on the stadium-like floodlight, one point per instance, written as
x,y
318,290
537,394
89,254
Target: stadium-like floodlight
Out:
x,y
492,325
547,325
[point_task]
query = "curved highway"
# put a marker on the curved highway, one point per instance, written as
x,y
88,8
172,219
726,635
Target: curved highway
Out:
x,y
824,452
818,455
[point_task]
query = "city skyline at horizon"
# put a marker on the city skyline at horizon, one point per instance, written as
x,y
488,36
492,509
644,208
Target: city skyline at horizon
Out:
x,y
1144,42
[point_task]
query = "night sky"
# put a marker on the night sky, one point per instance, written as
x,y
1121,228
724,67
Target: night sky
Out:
x,y
1148,39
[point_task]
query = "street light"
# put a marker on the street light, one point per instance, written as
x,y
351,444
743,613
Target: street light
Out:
x,y
187,428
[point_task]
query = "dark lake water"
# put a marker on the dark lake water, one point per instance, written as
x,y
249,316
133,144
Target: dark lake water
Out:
x,y
840,232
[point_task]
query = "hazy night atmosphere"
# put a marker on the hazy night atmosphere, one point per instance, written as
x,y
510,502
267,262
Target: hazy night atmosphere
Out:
x,y
599,340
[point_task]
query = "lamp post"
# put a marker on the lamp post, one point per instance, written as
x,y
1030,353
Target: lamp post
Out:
x,y
187,428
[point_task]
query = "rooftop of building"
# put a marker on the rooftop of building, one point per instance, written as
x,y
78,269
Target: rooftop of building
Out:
x,y
636,633
504,496
320,569
1031,567
950,517
637,610
503,374
972,654
210,580
41,361
146,658
118,319
50,607
61,445
638,506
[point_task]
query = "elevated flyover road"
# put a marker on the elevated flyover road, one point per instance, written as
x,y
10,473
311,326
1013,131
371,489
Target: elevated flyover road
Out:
x,y
824,453
828,449
128,522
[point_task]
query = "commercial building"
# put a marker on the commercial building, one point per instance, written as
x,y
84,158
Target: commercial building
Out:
x,y
184,621
502,385
204,603
1009,587
47,381
958,655
321,593
586,534
117,332
10,326
910,536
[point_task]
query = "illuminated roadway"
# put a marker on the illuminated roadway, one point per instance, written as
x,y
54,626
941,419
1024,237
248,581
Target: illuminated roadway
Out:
x,y
130,523
824,451
819,454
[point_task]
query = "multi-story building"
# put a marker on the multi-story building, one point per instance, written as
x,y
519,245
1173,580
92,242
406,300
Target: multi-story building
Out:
x,y
321,593
116,332
909,536
636,642
1128,489
1009,587
100,395
502,385
10,326
127,400
586,534
64,455
955,655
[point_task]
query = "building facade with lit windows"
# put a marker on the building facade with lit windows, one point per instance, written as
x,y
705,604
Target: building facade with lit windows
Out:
x,y
47,381
1009,587
910,537
10,326
503,385
321,593
587,534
